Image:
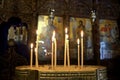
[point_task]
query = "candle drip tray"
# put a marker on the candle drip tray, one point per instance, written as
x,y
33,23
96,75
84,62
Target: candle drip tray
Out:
x,y
60,72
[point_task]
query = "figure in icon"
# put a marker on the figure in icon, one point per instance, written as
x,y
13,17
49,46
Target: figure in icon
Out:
x,y
79,29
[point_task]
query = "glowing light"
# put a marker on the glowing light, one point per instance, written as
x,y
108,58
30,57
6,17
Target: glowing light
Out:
x,y
31,45
82,33
66,30
78,41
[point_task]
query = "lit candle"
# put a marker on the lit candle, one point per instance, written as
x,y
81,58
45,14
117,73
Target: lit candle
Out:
x,y
65,54
66,30
55,42
82,49
37,39
78,42
67,44
36,49
55,52
52,53
65,47
53,38
31,55
36,57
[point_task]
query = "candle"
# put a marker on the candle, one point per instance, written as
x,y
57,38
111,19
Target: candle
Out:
x,y
37,39
78,42
54,50
65,46
66,50
36,57
66,30
68,56
52,53
65,54
82,49
52,61
31,55
82,33
55,56
36,49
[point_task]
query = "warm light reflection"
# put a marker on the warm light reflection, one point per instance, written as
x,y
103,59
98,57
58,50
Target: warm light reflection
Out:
x,y
37,32
35,50
82,33
66,30
31,45
53,36
78,41
67,36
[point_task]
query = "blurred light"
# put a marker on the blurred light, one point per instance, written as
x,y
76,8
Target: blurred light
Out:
x,y
93,15
45,50
41,42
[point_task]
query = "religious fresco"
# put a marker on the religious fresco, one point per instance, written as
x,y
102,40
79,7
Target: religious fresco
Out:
x,y
109,34
18,33
45,36
76,25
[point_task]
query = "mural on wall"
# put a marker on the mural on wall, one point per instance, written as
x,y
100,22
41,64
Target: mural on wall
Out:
x,y
45,36
109,34
18,33
76,25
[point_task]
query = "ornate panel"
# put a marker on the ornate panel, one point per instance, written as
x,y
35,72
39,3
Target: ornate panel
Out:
x,y
108,10
45,5
21,6
80,8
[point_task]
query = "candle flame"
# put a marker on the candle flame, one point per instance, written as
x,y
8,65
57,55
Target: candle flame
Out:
x,y
54,33
35,49
82,33
37,32
66,30
67,36
78,41
31,45
53,37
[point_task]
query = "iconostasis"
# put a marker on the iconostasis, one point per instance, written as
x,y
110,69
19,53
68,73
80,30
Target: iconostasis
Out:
x,y
44,33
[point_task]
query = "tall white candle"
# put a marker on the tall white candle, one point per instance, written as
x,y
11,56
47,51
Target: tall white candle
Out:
x,y
65,46
31,55
52,53
65,53
36,57
78,42
55,52
68,56
82,59
37,39
36,50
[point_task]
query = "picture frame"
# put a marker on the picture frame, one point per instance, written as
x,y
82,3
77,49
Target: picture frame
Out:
x,y
109,35
76,25
45,36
